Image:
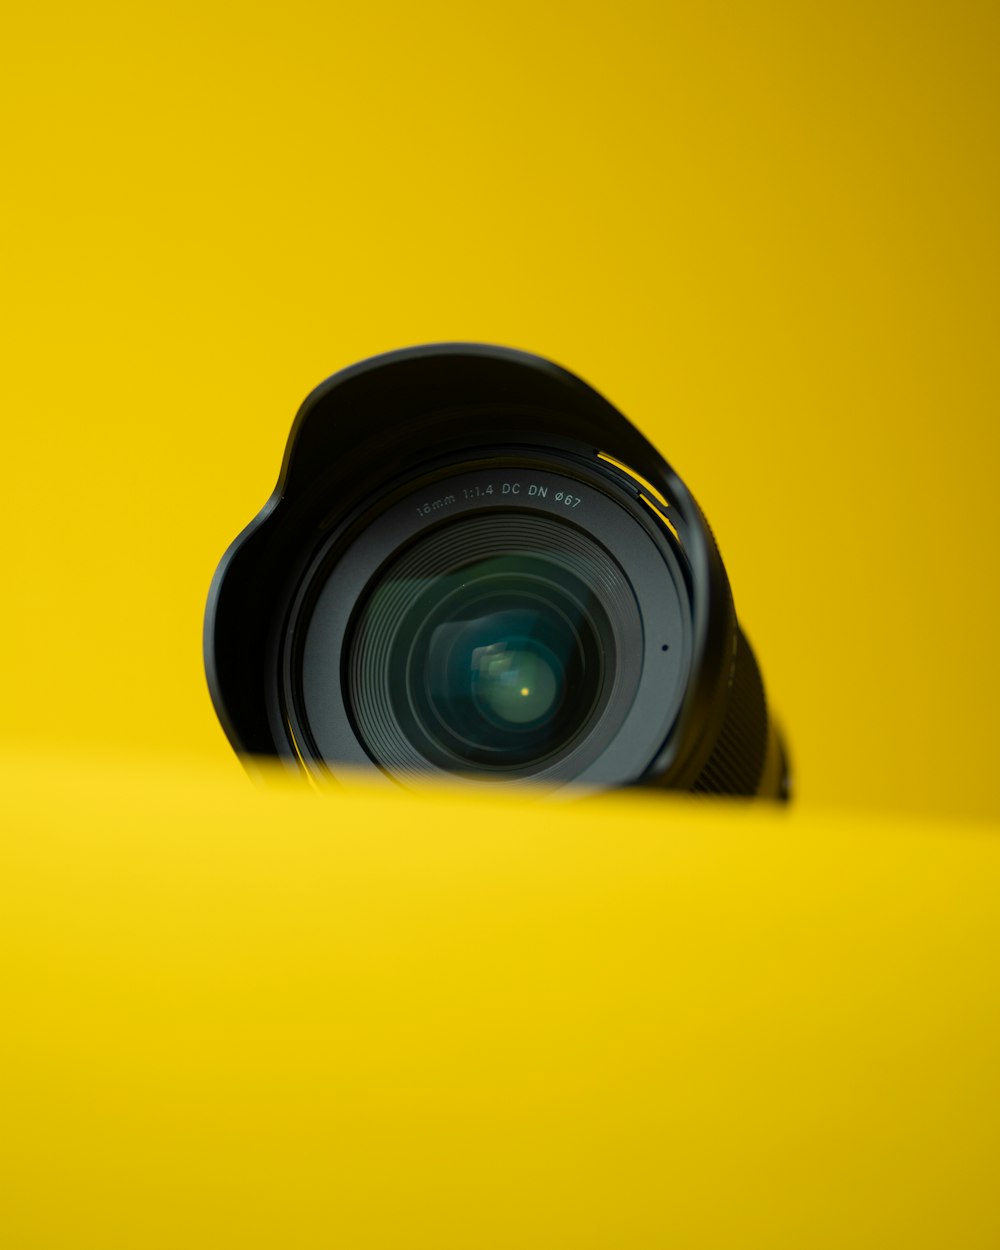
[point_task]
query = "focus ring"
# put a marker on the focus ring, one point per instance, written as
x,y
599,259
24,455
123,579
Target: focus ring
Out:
x,y
736,764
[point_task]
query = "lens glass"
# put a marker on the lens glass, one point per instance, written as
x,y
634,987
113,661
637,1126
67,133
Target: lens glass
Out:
x,y
515,681
505,663
487,647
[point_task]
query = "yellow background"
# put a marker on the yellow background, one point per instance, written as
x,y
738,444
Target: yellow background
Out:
x,y
768,233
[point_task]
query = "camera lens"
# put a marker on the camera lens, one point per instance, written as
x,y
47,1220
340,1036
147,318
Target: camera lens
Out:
x,y
487,647
475,568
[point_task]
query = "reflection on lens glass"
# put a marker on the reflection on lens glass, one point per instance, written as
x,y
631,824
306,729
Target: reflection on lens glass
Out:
x,y
501,670
519,686
501,655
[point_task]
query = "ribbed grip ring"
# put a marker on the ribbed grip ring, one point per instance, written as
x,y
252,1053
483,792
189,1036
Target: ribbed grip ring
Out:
x,y
737,760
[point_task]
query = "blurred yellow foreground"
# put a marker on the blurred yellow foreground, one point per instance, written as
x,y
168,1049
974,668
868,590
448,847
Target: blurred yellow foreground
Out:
x,y
263,1018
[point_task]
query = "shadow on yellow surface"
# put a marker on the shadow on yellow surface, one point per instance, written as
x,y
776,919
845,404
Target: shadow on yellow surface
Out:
x,y
249,1017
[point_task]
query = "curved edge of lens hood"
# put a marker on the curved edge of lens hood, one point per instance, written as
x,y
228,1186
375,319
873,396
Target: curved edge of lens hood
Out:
x,y
380,416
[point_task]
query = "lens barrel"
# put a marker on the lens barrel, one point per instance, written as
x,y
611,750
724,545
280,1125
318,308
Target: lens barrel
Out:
x,y
474,567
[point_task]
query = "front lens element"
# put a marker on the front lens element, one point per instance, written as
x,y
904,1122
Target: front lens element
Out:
x,y
506,663
492,647
497,669
515,683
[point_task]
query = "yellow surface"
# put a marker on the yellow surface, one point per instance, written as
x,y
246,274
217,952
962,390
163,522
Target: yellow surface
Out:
x,y
766,231
244,1019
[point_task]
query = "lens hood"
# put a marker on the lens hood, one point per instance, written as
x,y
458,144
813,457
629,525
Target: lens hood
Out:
x,y
474,565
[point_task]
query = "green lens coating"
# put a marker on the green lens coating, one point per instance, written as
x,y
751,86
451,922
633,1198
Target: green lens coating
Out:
x,y
519,686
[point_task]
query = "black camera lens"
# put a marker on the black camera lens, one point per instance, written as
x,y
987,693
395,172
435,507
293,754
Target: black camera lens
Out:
x,y
475,568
